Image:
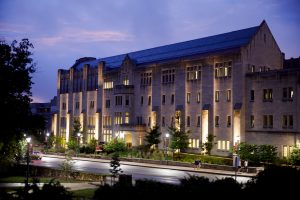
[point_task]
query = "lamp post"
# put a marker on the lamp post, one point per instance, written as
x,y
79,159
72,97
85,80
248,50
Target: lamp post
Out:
x,y
167,144
78,142
47,140
28,139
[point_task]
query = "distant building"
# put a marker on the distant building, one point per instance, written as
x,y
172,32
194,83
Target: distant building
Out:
x,y
292,63
231,85
47,110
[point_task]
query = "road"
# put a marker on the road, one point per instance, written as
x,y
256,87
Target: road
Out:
x,y
138,172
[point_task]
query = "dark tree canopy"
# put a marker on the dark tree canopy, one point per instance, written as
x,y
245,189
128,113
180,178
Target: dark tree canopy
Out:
x,y
153,136
16,69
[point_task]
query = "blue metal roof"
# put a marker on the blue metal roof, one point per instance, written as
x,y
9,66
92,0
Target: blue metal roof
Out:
x,y
205,45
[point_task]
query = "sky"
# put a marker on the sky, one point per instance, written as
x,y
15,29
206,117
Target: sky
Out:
x,y
63,31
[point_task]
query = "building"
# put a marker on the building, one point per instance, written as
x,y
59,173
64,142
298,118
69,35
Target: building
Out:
x,y
47,110
232,85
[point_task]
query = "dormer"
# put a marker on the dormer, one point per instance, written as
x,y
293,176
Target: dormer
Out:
x,y
126,71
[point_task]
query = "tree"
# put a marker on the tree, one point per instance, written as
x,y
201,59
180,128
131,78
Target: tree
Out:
x,y
16,69
248,152
267,153
294,158
115,145
179,139
115,164
209,144
153,136
76,129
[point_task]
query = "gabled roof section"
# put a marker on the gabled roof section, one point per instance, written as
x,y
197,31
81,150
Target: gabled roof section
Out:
x,y
200,46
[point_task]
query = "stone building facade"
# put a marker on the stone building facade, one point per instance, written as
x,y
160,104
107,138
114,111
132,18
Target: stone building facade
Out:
x,y
201,86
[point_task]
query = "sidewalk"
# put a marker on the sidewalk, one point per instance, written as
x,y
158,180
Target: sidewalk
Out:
x,y
172,167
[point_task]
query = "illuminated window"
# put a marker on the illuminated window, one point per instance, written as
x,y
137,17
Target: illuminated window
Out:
x,y
107,135
108,85
223,69
287,94
126,80
193,143
91,121
193,73
127,118
118,118
268,95
223,145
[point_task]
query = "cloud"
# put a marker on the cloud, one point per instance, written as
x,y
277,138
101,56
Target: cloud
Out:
x,y
83,36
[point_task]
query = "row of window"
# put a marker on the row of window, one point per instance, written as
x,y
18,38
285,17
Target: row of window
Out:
x,y
217,121
193,73
287,94
223,69
287,121
228,96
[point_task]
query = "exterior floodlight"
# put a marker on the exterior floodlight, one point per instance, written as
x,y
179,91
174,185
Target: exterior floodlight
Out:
x,y
28,139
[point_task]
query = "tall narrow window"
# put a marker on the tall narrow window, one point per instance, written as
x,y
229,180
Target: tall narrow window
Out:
x,y
198,121
270,121
64,106
92,104
77,105
228,95
142,100
188,97
198,97
172,98
252,121
217,121
163,101
126,80
228,121
284,121
163,122
149,121
127,100
252,95
291,121
107,103
149,100
217,96
188,121
265,122
127,118
118,101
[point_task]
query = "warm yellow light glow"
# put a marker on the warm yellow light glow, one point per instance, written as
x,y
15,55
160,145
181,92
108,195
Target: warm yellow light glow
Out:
x,y
97,127
236,127
28,139
204,125
68,128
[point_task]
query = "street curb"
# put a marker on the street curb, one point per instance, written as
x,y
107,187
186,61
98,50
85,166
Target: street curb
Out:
x,y
171,167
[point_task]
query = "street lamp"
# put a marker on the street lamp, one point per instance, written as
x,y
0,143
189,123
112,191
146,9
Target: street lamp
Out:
x,y
47,138
167,144
28,139
78,140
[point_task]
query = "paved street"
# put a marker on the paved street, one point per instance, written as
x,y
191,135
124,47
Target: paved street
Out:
x,y
162,173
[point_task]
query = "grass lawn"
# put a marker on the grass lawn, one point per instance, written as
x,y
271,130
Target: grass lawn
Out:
x,y
21,179
86,193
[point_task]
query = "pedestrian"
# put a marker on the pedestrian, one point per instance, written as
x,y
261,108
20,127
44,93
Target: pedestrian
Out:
x,y
200,164
196,164
246,165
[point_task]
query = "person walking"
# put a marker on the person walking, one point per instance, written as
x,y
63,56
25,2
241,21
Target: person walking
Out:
x,y
246,165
